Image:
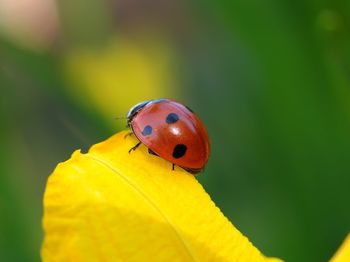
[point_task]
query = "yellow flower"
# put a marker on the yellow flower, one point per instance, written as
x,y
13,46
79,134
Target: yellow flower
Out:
x,y
109,205
100,77
343,253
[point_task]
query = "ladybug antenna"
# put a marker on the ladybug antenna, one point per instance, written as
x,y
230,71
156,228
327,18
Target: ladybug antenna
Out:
x,y
120,117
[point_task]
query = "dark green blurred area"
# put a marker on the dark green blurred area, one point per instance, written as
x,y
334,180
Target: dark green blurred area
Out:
x,y
270,79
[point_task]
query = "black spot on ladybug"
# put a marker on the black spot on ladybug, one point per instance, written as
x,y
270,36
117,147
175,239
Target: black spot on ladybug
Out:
x,y
147,130
172,118
189,109
179,150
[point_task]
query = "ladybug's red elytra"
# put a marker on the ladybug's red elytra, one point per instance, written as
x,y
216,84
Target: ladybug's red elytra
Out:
x,y
171,131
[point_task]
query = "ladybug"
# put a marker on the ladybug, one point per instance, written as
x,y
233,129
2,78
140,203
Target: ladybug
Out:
x,y
171,131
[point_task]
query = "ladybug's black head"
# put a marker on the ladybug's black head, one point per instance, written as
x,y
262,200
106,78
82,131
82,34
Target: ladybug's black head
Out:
x,y
136,108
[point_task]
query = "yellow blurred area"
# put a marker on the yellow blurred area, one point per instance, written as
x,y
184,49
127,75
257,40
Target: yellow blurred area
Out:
x,y
123,73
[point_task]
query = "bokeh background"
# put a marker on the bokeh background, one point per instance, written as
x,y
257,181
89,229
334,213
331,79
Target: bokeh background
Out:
x,y
270,79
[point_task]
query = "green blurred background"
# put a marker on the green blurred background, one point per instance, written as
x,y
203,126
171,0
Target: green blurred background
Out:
x,y
270,79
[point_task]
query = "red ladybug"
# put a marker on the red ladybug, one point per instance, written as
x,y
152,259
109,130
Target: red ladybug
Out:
x,y
171,131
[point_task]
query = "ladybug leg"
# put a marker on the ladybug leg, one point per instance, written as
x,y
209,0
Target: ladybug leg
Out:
x,y
173,167
151,152
134,148
128,134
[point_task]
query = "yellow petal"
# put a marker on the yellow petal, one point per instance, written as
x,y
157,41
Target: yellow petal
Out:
x,y
343,253
109,205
